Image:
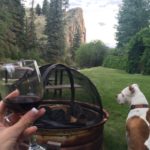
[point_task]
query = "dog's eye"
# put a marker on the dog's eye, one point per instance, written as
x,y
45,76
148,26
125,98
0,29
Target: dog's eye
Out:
x,y
122,94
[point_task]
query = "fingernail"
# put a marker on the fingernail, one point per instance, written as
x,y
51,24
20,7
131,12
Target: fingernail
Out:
x,y
34,110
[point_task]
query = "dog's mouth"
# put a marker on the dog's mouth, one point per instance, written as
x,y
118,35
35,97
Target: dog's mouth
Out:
x,y
119,101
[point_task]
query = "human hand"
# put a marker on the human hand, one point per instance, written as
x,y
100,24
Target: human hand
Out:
x,y
11,137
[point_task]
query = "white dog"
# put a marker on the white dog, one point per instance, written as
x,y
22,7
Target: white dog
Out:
x,y
138,120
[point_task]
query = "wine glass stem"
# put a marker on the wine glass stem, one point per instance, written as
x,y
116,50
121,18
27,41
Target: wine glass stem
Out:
x,y
32,140
33,144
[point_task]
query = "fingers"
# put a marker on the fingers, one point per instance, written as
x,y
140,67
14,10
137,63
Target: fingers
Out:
x,y
29,131
26,121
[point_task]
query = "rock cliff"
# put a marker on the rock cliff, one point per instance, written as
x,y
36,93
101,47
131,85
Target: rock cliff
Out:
x,y
75,23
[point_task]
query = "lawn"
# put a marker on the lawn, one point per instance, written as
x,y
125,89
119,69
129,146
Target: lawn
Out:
x,y
109,82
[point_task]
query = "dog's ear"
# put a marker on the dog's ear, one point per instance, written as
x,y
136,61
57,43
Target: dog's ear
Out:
x,y
135,85
131,89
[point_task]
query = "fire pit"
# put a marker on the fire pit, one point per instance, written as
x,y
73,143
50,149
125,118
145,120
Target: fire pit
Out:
x,y
74,118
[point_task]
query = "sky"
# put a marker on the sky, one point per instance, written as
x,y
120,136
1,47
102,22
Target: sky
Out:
x,y
100,18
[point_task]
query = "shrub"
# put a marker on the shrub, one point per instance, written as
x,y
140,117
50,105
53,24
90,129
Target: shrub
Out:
x,y
116,58
116,62
139,47
91,54
145,62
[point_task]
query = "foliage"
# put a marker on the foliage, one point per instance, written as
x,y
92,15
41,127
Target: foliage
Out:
x,y
109,82
114,60
91,54
133,16
11,28
38,10
17,32
136,50
55,31
45,7
145,61
138,57
20,11
76,44
30,38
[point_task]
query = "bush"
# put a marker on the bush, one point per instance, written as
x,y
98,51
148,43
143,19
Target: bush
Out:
x,y
145,62
116,62
116,58
91,54
139,47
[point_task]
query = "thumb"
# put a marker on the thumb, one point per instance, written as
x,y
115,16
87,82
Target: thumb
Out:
x,y
26,121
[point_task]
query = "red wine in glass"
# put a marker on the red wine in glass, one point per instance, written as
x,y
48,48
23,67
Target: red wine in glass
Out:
x,y
22,104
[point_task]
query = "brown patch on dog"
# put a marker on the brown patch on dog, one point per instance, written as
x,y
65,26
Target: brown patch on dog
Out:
x,y
148,116
137,133
131,89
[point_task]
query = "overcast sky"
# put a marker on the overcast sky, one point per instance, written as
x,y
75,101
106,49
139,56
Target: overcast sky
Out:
x,y
100,18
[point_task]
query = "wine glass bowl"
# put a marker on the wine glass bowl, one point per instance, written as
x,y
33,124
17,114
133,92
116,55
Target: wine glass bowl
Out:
x,y
26,78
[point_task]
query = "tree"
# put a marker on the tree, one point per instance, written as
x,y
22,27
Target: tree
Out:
x,y
139,52
76,43
30,34
65,4
91,54
19,14
55,31
136,50
32,37
11,28
38,10
145,61
133,16
45,7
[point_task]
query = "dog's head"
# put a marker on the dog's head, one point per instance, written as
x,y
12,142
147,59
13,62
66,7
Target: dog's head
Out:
x,y
127,93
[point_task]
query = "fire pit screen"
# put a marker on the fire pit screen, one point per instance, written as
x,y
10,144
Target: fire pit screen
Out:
x,y
75,94
73,109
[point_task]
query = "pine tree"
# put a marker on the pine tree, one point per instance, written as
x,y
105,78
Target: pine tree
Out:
x,y
32,27
45,7
133,16
38,10
19,23
76,43
55,31
4,21
11,27
65,4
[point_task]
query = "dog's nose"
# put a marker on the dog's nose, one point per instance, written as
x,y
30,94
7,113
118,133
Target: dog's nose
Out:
x,y
117,96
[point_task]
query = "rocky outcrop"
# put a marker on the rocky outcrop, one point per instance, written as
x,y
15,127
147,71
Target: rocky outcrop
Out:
x,y
74,24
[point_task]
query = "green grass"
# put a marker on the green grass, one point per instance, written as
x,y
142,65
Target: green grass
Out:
x,y
109,83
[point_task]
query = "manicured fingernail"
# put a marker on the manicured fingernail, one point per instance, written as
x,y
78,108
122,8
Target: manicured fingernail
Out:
x,y
34,110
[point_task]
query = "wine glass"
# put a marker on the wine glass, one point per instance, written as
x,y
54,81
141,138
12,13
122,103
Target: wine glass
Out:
x,y
24,76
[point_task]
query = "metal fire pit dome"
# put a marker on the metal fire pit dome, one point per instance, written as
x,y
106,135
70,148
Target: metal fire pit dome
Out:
x,y
73,99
